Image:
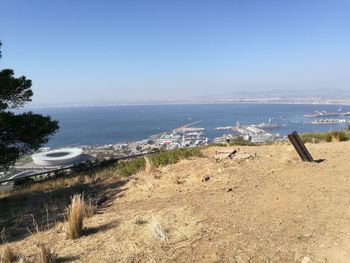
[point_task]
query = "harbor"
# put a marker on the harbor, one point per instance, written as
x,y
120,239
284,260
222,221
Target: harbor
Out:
x,y
322,117
248,133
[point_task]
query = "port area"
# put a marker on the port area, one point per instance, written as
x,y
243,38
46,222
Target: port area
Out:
x,y
249,134
328,121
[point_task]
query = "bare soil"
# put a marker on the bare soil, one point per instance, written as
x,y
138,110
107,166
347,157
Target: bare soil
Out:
x,y
270,207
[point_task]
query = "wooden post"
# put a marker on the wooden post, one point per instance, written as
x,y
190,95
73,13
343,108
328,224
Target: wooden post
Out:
x,y
299,146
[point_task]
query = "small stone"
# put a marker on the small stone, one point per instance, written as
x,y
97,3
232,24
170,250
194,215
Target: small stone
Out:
x,y
205,178
306,260
229,190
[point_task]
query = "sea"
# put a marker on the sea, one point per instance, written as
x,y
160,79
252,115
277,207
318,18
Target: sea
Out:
x,y
100,125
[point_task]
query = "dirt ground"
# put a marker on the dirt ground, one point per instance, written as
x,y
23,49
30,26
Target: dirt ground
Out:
x,y
268,208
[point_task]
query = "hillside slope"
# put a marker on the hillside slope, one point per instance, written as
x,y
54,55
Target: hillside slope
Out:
x,y
268,208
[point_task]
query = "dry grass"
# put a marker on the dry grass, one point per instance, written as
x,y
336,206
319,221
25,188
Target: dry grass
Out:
x,y
157,230
45,254
140,221
62,182
76,213
90,209
150,168
23,260
7,255
55,183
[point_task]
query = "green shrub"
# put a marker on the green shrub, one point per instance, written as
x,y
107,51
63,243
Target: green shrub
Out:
x,y
126,168
129,167
339,135
243,143
325,136
236,143
328,137
173,156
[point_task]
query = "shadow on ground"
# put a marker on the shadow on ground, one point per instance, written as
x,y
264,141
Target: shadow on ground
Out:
x,y
100,228
19,213
66,259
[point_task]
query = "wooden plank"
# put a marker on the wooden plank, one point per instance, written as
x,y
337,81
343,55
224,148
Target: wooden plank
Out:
x,y
299,146
225,154
303,148
296,147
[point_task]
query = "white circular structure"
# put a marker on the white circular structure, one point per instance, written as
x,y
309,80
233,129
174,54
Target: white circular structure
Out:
x,y
59,157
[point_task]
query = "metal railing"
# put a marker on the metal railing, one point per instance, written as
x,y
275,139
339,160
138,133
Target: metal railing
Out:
x,y
85,165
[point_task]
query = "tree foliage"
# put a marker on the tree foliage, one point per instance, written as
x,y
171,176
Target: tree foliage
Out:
x,y
19,133
14,91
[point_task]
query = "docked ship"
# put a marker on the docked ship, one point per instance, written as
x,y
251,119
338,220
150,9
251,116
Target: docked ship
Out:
x,y
329,121
268,125
322,114
226,128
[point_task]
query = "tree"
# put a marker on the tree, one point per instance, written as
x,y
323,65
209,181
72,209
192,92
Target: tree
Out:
x,y
19,133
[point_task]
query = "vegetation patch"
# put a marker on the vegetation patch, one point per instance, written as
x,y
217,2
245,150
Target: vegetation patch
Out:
x,y
237,143
317,137
45,254
76,212
7,255
127,168
171,157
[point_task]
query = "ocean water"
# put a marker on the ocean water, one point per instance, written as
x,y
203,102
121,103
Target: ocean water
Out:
x,y
115,124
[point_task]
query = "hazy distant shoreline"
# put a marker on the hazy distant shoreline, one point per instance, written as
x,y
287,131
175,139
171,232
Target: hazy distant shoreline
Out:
x,y
214,102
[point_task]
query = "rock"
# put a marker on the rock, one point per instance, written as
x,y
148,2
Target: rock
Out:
x,y
205,178
306,260
229,190
225,154
242,156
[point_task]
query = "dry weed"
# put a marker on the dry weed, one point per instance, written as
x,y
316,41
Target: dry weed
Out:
x,y
90,209
76,212
91,179
140,221
179,180
23,260
150,168
157,230
45,254
7,255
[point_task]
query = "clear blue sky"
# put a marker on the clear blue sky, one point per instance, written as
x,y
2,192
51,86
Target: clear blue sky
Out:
x,y
130,51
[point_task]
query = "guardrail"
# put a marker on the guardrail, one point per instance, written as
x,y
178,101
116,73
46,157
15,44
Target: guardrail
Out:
x,y
84,165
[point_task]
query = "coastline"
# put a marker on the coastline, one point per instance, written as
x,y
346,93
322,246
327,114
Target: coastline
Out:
x,y
243,101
